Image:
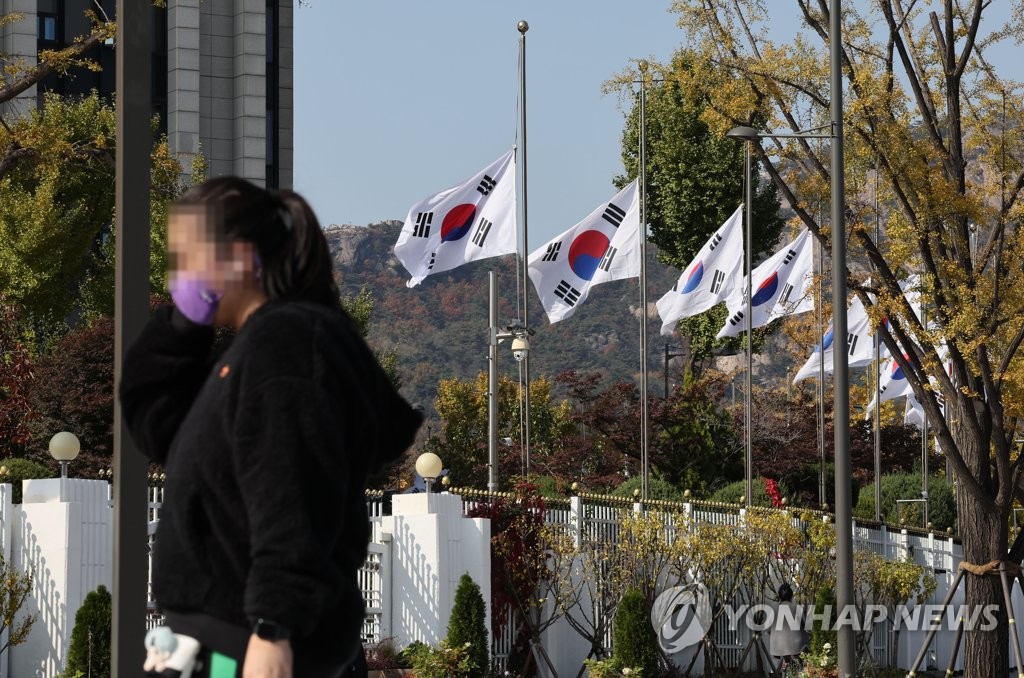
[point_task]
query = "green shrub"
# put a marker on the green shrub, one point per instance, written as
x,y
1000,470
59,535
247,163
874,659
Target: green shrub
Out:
x,y
941,502
442,662
89,652
634,641
657,488
608,668
731,493
19,469
467,625
821,628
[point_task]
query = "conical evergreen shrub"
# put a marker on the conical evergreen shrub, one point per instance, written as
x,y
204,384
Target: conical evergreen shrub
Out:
x,y
89,652
634,642
468,625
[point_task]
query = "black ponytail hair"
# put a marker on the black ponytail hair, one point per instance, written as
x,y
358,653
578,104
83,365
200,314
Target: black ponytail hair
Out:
x,y
293,252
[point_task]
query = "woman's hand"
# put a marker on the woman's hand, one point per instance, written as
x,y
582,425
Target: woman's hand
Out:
x,y
267,658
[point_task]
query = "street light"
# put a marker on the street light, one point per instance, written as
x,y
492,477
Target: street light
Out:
x,y
668,356
429,466
751,135
64,447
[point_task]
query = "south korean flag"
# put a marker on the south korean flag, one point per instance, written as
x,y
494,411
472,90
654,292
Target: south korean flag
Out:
x,y
781,287
604,246
467,222
711,277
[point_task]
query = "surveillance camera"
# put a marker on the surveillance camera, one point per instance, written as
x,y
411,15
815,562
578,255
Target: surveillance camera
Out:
x,y
520,348
924,494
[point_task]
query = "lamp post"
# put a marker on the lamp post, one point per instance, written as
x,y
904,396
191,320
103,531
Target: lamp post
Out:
x,y
429,466
668,356
64,447
751,135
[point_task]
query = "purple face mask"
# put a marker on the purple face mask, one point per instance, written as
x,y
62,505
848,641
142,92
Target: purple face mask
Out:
x,y
194,298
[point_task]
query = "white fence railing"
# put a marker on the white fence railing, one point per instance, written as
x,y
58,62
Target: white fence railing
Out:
x,y
599,518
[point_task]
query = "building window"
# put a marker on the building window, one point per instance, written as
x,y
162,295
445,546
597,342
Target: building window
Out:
x,y
47,28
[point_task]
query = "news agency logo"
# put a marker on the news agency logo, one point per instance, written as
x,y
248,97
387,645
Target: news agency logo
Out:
x,y
681,616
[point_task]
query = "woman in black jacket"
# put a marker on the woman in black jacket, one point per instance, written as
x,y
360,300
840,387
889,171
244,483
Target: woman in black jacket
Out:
x,y
266,446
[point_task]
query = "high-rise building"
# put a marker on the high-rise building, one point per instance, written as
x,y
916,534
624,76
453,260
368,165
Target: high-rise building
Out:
x,y
221,75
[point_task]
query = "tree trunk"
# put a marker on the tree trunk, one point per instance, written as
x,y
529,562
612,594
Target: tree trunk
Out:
x,y
986,653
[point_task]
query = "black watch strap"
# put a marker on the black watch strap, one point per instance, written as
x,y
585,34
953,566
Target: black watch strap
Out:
x,y
270,630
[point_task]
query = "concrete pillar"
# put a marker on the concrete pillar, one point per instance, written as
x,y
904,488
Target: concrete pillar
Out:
x,y
64,535
183,77
432,546
250,90
18,40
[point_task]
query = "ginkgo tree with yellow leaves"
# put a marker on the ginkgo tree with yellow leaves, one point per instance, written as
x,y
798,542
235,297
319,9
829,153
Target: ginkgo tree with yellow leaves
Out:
x,y
935,155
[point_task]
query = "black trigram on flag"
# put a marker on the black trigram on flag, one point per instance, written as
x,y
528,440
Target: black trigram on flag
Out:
x,y
482,229
606,260
787,291
433,258
614,214
716,281
851,343
736,319
487,185
714,242
551,253
567,293
422,227
789,257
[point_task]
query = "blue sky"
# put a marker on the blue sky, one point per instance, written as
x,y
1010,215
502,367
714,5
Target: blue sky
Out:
x,y
397,99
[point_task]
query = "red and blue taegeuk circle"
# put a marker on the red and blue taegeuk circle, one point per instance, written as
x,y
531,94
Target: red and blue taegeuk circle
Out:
x,y
692,280
826,342
457,222
897,371
766,290
586,252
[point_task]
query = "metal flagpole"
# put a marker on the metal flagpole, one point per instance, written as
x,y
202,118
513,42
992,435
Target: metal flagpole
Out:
x,y
822,494
131,308
748,486
878,380
840,369
492,385
644,460
522,27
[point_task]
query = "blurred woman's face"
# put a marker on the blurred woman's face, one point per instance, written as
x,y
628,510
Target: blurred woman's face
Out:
x,y
196,251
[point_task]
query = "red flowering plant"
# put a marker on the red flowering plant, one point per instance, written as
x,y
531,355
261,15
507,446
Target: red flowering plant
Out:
x,y
528,572
771,488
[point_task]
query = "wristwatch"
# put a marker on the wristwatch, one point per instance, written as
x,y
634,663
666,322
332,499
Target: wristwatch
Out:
x,y
269,630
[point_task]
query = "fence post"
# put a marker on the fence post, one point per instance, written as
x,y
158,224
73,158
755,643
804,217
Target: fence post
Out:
x,y
385,586
576,519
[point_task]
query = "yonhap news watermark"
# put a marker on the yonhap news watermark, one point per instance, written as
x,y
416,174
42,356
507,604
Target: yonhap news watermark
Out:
x,y
682,616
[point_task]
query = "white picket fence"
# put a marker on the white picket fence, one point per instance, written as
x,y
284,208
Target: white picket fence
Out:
x,y
593,517
598,518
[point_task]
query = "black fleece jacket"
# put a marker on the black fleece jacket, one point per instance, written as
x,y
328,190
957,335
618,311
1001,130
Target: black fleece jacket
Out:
x,y
267,449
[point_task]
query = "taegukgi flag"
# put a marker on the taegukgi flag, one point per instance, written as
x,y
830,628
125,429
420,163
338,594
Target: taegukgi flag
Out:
x,y
892,384
860,347
471,221
604,246
780,287
710,278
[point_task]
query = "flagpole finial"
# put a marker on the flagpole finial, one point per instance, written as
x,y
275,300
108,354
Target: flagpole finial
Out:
x,y
643,65
522,26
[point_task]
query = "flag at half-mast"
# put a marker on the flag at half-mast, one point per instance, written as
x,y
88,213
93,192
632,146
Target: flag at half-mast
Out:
x,y
892,384
604,246
780,288
860,348
710,278
473,220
